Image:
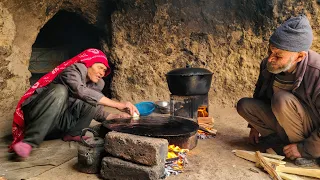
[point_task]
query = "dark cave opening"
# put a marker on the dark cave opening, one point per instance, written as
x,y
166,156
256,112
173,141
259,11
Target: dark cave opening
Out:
x,y
65,35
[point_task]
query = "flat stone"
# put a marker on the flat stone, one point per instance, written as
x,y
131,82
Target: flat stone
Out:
x,y
114,168
139,149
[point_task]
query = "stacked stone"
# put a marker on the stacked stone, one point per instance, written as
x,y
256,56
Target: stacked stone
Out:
x,y
134,157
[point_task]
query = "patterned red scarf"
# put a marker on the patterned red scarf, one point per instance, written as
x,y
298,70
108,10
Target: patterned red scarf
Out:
x,y
87,57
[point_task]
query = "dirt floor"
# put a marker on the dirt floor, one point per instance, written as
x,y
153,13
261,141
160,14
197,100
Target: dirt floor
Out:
x,y
211,159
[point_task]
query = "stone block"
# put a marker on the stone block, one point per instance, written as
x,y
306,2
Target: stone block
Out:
x,y
138,149
114,168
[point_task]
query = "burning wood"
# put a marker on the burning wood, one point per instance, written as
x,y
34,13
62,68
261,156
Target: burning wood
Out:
x,y
206,121
176,160
202,111
205,133
206,130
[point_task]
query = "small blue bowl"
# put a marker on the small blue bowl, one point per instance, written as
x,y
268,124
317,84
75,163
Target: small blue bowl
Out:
x,y
145,108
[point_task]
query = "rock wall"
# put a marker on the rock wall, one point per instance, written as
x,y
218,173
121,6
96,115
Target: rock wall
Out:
x,y
7,34
146,39
228,37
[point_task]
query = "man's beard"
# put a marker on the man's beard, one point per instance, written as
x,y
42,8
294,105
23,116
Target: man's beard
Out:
x,y
283,68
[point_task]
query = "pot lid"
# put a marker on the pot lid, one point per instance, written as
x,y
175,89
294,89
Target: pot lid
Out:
x,y
154,126
189,71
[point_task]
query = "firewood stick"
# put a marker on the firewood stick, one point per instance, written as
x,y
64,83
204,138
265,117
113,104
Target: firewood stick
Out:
x,y
300,171
273,156
288,176
206,120
211,131
253,158
214,131
271,151
268,155
205,125
267,167
249,155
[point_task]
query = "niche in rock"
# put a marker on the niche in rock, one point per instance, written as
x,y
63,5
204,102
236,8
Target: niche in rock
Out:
x,y
61,38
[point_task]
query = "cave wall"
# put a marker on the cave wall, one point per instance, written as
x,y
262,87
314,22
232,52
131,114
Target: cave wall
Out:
x,y
228,37
149,38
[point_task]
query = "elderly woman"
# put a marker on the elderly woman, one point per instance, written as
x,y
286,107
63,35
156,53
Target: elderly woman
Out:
x,y
63,102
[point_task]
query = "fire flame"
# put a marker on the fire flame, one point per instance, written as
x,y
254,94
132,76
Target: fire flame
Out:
x,y
202,111
173,151
179,154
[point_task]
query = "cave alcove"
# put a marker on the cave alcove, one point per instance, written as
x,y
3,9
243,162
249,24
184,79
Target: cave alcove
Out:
x,y
65,35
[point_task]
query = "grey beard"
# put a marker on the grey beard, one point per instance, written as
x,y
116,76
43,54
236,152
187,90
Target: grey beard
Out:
x,y
283,69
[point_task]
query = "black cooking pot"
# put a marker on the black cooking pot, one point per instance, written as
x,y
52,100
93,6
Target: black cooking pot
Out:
x,y
189,81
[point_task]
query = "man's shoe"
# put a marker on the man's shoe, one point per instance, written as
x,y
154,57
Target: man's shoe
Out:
x,y
304,162
22,149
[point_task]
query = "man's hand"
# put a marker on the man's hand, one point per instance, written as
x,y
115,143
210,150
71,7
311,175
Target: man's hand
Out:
x,y
116,116
291,151
128,106
254,136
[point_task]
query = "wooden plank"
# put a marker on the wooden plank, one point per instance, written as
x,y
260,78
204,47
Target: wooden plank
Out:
x,y
300,171
271,151
286,176
253,158
210,131
206,120
266,166
273,156
205,125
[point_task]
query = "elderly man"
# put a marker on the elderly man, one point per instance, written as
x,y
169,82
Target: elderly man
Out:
x,y
285,108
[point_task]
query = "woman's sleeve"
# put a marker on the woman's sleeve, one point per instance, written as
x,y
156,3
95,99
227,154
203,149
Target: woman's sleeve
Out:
x,y
73,77
101,114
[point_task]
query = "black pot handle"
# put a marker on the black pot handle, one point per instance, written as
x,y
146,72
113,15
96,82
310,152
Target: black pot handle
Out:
x,y
83,132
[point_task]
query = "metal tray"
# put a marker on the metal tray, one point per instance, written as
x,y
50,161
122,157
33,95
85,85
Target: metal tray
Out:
x,y
154,126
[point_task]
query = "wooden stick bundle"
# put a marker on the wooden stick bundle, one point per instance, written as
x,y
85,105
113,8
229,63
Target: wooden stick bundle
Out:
x,y
275,167
288,176
266,166
249,155
299,171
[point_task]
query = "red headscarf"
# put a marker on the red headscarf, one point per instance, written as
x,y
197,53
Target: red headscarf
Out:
x,y
87,57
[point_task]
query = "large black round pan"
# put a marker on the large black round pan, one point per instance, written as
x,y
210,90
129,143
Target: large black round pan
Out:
x,y
154,126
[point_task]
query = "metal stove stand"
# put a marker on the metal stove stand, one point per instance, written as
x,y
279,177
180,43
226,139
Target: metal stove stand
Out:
x,y
187,106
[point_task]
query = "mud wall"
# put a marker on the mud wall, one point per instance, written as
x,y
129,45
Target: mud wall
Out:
x,y
146,39
228,37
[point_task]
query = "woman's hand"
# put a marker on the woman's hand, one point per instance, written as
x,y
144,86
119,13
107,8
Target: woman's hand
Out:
x,y
117,116
129,107
122,106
